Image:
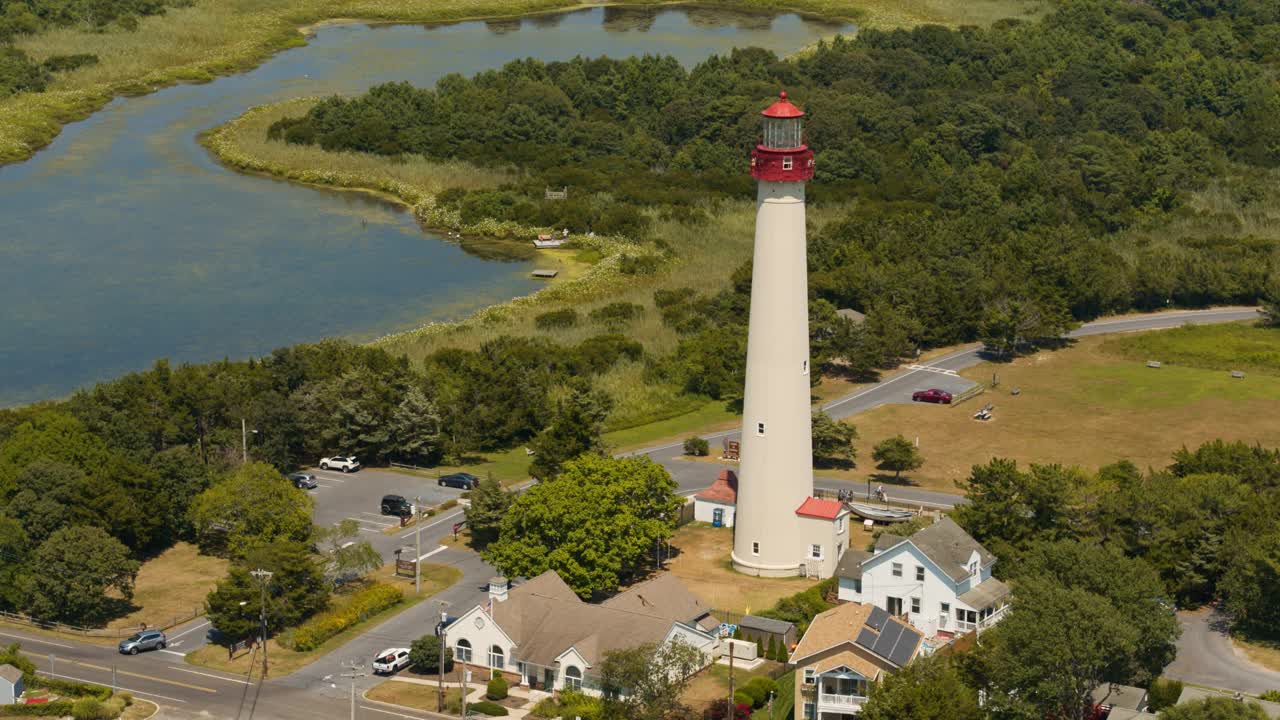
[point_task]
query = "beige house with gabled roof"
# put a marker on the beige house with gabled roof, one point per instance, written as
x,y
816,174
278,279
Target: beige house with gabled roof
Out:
x,y
542,631
844,651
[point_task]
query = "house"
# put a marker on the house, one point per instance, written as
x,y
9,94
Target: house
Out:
x,y
843,652
851,315
715,504
823,530
542,631
766,630
939,579
1191,693
10,684
1121,702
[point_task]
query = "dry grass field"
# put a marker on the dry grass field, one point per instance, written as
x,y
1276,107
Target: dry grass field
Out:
x,y
1261,652
172,585
703,565
414,695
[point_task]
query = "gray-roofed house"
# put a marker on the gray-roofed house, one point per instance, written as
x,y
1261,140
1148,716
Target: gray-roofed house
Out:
x,y
543,632
761,630
10,684
939,579
1190,693
1120,697
843,652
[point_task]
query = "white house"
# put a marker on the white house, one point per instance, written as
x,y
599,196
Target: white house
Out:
x,y
715,504
822,535
10,684
939,578
542,631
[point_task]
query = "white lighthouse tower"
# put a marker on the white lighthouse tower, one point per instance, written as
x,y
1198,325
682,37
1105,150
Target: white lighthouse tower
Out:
x,y
776,480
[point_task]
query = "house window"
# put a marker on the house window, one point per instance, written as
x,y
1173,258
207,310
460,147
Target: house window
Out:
x,y
496,659
897,569
759,428
915,604
755,548
919,573
839,525
857,585
809,677
815,552
973,568
463,650
804,368
786,163
945,607
572,678
809,710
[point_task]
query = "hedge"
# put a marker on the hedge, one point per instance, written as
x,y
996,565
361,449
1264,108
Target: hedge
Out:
x,y
71,687
484,707
497,688
57,708
363,605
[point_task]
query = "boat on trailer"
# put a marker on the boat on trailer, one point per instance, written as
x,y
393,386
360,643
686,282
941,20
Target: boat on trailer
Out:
x,y
879,514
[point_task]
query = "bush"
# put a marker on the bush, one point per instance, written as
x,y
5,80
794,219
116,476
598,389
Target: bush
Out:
x,y
760,688
569,704
497,688
717,711
742,697
638,264
424,653
1163,693
484,707
799,609
71,687
770,650
364,604
1270,696
566,318
91,709
667,298
57,708
697,447
63,63
617,313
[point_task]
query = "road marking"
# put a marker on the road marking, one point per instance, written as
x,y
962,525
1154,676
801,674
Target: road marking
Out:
x,y
139,675
371,522
440,549
380,516
933,369
210,675
174,652
190,630
388,712
438,522
120,687
40,642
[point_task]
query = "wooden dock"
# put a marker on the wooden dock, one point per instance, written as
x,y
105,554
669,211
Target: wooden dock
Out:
x,y
546,274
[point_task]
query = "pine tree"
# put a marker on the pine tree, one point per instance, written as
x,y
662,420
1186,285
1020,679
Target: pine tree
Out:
x,y
489,503
771,651
575,429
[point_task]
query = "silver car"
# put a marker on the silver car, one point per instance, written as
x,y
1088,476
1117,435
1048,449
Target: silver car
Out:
x,y
145,640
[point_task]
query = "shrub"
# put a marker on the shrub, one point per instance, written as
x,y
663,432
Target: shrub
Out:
x,y
697,447
57,708
771,649
71,687
1163,693
63,63
742,697
569,704
90,709
497,688
364,604
717,711
484,707
424,653
617,313
760,688
666,298
1270,696
566,318
638,264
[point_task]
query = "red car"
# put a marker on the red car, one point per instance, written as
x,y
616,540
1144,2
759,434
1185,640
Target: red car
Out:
x,y
933,395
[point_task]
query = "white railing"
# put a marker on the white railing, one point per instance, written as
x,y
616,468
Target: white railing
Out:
x,y
841,700
984,623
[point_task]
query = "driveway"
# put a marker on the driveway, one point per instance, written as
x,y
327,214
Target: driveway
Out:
x,y
1207,657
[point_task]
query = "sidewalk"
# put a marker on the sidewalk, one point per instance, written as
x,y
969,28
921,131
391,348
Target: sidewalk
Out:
x,y
476,691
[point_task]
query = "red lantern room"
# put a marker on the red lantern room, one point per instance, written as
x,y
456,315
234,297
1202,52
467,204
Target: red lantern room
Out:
x,y
782,155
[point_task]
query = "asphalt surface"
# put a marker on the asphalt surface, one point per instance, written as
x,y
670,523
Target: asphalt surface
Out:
x,y
184,691
1206,656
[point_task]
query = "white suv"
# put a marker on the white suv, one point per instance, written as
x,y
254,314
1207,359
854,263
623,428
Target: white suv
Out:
x,y
345,463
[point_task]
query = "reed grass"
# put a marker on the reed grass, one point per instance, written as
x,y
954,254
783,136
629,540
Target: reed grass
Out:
x,y
219,37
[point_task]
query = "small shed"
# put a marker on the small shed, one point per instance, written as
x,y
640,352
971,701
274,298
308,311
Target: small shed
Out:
x,y
851,315
716,504
763,629
10,684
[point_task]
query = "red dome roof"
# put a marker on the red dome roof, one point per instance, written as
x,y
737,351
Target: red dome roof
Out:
x,y
782,109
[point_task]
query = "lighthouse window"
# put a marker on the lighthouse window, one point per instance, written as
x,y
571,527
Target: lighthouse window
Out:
x,y
759,428
755,548
786,163
804,368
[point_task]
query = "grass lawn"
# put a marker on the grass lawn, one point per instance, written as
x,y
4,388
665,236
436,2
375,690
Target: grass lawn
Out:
x,y
710,416
416,696
1229,346
172,585
783,703
509,467
1086,405
140,709
1261,652
703,565
712,684
282,661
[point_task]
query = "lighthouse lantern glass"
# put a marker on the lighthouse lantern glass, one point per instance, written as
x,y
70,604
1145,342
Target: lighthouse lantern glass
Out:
x,y
781,133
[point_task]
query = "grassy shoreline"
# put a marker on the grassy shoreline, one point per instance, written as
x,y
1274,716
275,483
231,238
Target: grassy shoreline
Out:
x,y
212,38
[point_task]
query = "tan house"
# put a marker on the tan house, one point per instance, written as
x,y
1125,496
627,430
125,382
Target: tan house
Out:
x,y
542,631
843,652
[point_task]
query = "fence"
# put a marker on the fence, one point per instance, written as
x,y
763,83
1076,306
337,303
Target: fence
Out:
x,y
969,394
85,632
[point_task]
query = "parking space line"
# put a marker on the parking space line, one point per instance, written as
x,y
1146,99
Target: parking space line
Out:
x,y
440,549
372,522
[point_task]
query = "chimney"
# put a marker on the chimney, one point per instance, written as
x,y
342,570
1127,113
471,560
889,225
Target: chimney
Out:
x,y
498,589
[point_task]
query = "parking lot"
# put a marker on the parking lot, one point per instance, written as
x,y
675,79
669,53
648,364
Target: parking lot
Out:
x,y
357,496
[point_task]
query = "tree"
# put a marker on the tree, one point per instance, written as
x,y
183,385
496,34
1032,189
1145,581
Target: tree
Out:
x,y
1271,302
346,558
929,688
296,590
646,682
1251,584
575,428
696,446
424,653
77,566
1007,509
1216,708
1011,323
416,434
15,546
597,521
897,454
833,441
489,505
252,507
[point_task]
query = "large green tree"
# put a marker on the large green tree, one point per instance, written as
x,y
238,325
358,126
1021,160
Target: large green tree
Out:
x,y
296,590
74,569
489,505
344,556
598,521
647,682
897,454
1007,509
252,507
15,548
833,441
575,428
930,688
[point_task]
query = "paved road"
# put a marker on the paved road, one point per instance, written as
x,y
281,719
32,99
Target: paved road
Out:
x,y
1207,657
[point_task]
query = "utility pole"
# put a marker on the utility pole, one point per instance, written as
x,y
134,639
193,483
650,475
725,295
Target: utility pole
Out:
x,y
417,547
263,576
354,670
440,663
730,716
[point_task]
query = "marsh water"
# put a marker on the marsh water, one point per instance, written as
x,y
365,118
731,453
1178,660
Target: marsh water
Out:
x,y
124,242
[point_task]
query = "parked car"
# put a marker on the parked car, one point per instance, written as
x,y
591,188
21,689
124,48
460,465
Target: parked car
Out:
x,y
464,481
396,505
305,481
345,463
391,660
933,395
145,640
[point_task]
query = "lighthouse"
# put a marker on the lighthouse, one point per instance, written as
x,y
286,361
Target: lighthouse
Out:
x,y
773,532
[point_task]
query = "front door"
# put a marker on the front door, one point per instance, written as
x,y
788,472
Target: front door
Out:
x,y
548,678
893,605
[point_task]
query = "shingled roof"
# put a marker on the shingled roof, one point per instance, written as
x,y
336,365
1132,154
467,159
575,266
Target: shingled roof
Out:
x,y
723,490
947,545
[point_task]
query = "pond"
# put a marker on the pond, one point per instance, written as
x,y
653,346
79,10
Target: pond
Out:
x,y
124,242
